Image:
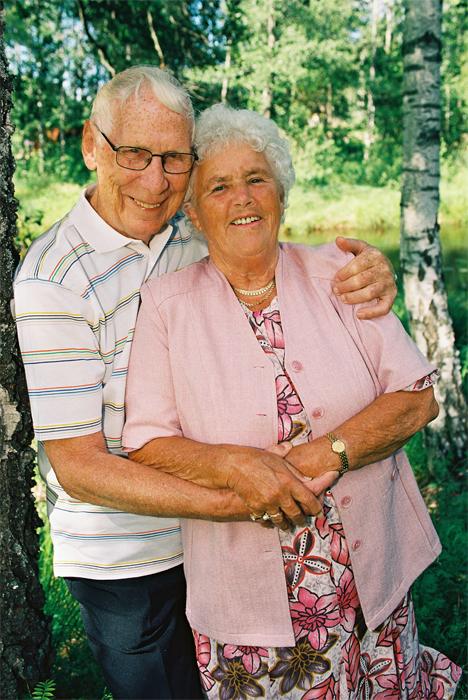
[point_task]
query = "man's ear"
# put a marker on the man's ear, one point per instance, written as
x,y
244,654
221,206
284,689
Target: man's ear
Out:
x,y
190,211
88,145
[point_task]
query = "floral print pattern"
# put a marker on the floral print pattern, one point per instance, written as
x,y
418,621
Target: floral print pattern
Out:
x,y
335,656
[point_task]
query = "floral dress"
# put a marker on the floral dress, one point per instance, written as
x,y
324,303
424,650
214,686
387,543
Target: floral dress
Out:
x,y
335,657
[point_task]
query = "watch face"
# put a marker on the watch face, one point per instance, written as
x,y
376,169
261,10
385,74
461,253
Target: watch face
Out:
x,y
338,446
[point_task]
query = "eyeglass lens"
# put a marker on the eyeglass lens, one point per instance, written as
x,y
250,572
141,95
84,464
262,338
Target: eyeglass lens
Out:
x,y
140,158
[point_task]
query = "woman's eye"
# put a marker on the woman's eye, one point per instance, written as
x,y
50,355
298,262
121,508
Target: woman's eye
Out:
x,y
254,180
218,188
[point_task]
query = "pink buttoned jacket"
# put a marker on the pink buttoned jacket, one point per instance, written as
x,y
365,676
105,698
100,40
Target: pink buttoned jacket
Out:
x,y
197,370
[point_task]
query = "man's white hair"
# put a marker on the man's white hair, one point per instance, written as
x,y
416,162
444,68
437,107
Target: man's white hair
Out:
x,y
219,125
130,83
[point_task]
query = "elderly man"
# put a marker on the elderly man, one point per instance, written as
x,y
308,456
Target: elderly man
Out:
x,y
77,297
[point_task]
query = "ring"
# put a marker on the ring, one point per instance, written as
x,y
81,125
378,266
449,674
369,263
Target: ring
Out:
x,y
270,516
255,518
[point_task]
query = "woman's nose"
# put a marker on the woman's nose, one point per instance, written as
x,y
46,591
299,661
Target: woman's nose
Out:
x,y
243,195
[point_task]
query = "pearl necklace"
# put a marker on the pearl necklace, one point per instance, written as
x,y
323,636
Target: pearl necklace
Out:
x,y
257,302
255,292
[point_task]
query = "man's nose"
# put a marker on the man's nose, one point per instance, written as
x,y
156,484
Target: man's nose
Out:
x,y
154,176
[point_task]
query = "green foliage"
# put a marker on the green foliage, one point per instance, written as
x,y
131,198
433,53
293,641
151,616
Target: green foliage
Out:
x,y
44,690
329,72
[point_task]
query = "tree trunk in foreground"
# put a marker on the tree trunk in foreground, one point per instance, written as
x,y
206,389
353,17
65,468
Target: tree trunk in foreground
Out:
x,y
25,641
421,261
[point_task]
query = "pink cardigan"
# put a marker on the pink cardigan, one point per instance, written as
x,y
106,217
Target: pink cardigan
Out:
x,y
197,370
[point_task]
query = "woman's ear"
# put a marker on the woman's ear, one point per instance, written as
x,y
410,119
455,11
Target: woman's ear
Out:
x,y
190,211
88,146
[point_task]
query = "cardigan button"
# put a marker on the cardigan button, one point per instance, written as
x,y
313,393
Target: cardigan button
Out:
x,y
296,365
346,501
356,545
317,412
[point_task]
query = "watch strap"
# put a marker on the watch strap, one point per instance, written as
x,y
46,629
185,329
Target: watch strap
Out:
x,y
338,447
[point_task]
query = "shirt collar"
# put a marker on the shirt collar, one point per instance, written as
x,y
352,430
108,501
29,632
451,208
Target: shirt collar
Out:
x,y
99,234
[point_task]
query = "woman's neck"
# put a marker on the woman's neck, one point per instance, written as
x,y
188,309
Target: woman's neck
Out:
x,y
249,273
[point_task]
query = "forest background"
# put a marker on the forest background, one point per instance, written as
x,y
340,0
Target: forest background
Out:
x,y
330,72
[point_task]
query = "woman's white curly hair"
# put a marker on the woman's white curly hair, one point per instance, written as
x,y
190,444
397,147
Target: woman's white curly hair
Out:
x,y
220,125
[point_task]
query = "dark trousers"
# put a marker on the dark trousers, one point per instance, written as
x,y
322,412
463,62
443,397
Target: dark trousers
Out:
x,y
139,634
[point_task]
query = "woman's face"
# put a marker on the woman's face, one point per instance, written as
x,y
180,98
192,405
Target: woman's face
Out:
x,y
237,205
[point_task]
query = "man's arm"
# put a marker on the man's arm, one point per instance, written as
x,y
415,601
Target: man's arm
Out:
x,y
89,473
368,277
261,478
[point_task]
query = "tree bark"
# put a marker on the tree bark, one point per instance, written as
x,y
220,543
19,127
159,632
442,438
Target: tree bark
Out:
x,y
154,38
227,66
370,107
101,51
267,93
388,26
25,646
421,260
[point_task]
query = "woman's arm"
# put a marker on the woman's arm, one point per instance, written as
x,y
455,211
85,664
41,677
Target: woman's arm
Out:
x,y
373,434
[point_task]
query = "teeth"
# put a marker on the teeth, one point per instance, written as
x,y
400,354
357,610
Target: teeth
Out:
x,y
145,205
246,220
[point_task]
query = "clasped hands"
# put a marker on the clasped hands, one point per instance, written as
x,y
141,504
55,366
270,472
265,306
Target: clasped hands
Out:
x,y
275,492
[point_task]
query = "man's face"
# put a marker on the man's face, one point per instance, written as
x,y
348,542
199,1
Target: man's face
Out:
x,y
138,203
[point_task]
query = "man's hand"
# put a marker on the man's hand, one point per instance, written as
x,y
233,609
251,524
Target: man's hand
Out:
x,y
369,276
265,483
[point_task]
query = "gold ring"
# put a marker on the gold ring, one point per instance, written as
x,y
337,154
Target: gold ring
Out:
x,y
254,517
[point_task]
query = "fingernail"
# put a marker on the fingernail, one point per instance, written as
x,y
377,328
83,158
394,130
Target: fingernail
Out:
x,y
335,291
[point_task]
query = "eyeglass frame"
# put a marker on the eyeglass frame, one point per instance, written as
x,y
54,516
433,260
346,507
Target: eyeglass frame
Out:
x,y
159,155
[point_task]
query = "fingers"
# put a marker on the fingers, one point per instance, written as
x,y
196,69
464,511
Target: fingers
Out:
x,y
321,483
367,257
350,245
382,307
279,520
292,511
374,283
305,499
266,485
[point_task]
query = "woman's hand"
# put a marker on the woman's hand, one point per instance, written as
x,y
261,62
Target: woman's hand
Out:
x,y
266,484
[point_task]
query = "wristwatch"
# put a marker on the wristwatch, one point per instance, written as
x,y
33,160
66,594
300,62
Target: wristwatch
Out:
x,y
339,448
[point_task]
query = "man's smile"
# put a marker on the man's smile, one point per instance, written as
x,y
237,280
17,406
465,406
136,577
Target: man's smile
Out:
x,y
145,205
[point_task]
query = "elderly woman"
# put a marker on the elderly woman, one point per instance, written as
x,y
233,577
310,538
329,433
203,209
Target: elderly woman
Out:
x,y
247,349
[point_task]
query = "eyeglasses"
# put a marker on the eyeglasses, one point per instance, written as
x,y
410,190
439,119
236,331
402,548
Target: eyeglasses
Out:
x,y
133,158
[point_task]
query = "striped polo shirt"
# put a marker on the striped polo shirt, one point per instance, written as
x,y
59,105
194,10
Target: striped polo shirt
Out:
x,y
77,295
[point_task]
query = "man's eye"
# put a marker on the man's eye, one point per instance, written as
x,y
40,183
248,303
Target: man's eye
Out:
x,y
129,151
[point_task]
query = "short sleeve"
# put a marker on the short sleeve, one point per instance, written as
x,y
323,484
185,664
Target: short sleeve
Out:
x,y
150,404
63,364
393,356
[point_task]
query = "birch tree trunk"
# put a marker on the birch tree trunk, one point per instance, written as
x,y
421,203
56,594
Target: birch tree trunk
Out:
x,y
425,294
267,93
25,641
369,135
